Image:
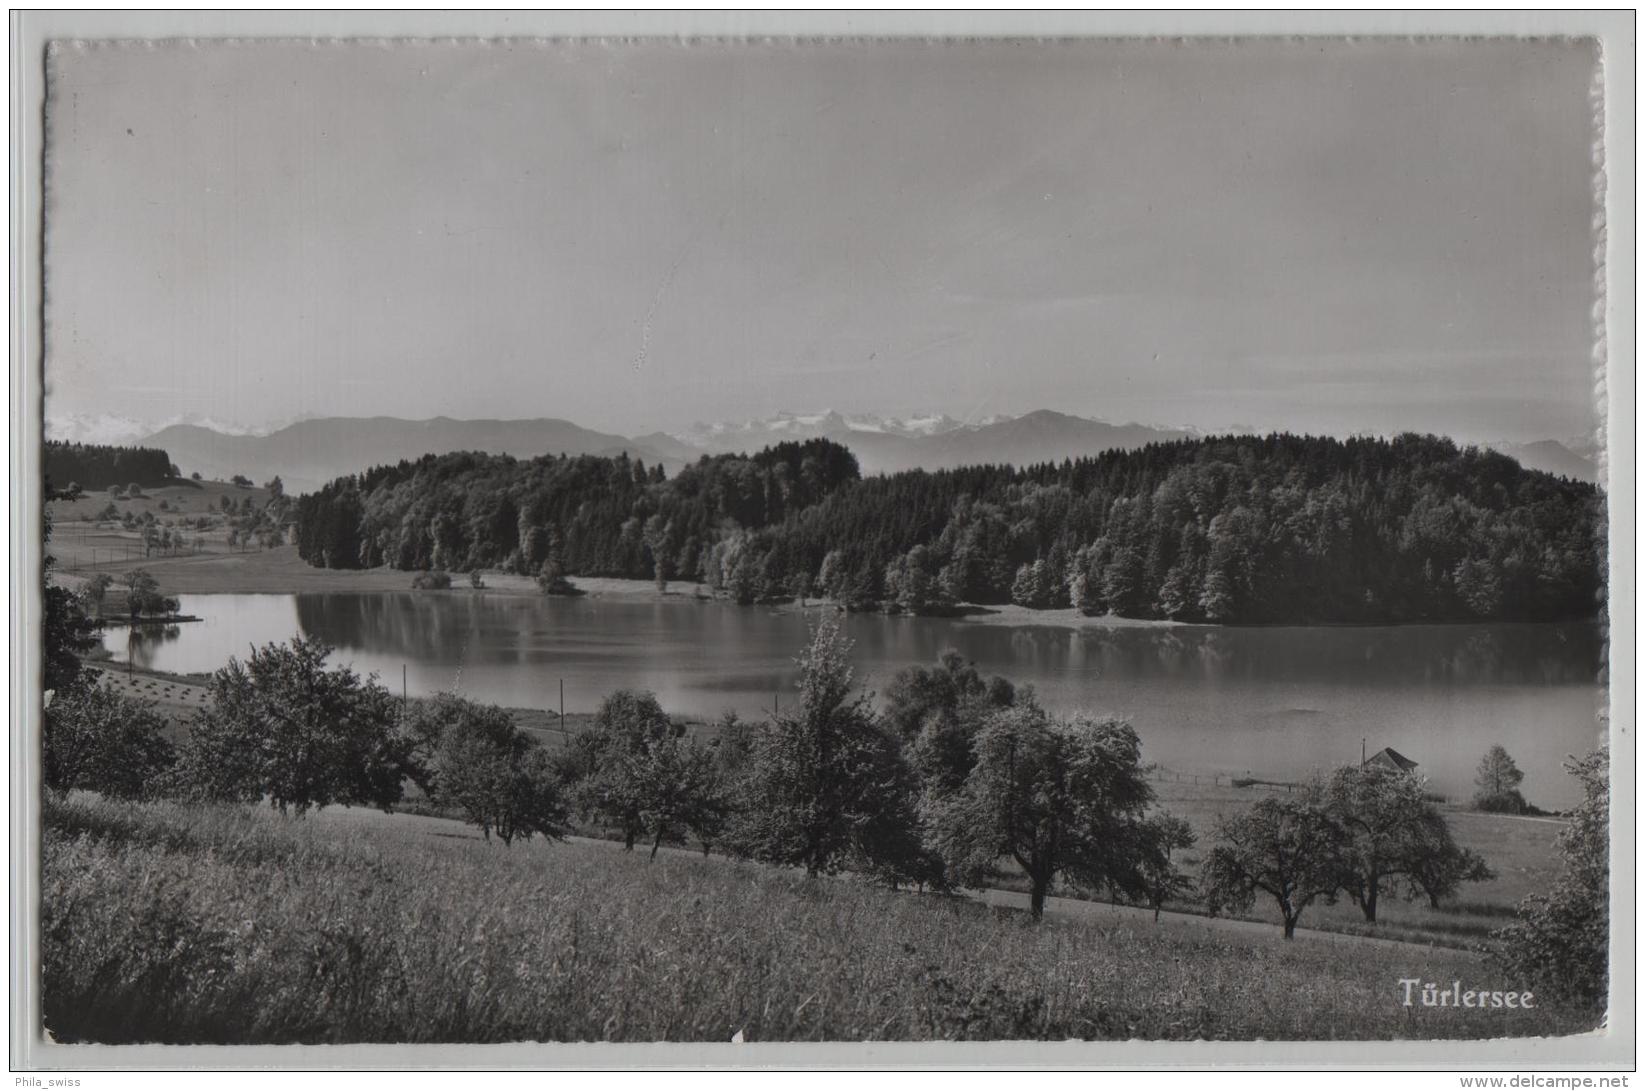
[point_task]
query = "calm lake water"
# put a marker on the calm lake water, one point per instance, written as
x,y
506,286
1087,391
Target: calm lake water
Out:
x,y
1275,702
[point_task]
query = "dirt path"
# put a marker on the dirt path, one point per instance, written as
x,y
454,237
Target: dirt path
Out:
x,y
1106,915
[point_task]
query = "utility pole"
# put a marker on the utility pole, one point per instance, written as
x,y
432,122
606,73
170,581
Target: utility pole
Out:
x,y
405,694
1362,749
562,704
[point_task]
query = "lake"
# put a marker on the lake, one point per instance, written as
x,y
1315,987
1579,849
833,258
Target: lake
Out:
x,y
1275,703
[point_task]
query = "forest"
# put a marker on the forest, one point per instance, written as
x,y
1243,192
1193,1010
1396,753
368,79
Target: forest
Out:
x,y
95,466
1235,530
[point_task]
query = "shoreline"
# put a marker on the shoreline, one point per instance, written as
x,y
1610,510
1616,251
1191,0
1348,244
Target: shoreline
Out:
x,y
279,571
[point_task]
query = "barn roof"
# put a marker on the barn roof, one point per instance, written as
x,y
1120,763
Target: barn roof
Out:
x,y
1393,758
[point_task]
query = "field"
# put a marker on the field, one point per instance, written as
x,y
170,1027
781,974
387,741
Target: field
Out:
x,y
172,924
189,498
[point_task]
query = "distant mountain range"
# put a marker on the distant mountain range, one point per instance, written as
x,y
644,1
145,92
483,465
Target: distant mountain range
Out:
x,y
311,452
1573,458
937,442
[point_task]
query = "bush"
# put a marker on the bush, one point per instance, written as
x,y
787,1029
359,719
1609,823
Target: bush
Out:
x,y
1509,802
431,581
1561,943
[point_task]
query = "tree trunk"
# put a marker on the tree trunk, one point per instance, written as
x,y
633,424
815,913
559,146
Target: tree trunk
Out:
x,y
657,843
1370,903
1036,897
628,840
1291,925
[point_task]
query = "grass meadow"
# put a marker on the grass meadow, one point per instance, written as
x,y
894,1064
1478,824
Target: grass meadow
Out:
x,y
165,923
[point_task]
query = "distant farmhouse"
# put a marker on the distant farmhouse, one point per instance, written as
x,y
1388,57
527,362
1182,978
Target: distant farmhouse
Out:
x,y
1392,759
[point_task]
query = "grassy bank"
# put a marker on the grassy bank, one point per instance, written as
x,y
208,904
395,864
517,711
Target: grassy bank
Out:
x,y
164,923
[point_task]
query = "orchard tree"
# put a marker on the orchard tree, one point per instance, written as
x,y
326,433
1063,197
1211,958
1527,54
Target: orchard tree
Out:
x,y
1055,797
713,799
1561,942
1391,831
1441,866
1288,849
100,741
679,791
1497,783
612,760
827,786
483,764
1162,879
282,725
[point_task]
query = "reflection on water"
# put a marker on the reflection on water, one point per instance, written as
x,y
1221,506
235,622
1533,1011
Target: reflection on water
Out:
x,y
1276,702
142,642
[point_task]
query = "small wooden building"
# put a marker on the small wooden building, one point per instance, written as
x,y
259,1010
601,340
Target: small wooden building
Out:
x,y
1392,759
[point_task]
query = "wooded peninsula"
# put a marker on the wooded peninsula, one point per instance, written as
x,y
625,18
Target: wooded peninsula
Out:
x,y
1235,529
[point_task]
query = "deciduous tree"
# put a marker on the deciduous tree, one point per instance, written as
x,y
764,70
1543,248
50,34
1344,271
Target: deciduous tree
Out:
x,y
1497,783
827,786
283,725
1055,797
496,774
1289,849
1391,830
96,739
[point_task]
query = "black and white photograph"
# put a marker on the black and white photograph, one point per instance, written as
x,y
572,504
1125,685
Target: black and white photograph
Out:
x,y
755,540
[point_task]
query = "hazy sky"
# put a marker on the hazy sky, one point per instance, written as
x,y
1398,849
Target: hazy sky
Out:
x,y
1334,237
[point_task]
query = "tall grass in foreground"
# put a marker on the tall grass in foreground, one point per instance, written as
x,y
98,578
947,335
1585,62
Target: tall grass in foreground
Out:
x,y
174,924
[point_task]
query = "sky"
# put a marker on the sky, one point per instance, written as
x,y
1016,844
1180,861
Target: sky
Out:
x,y
1313,235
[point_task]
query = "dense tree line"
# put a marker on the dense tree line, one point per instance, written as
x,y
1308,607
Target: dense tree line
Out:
x,y
98,466
1250,529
